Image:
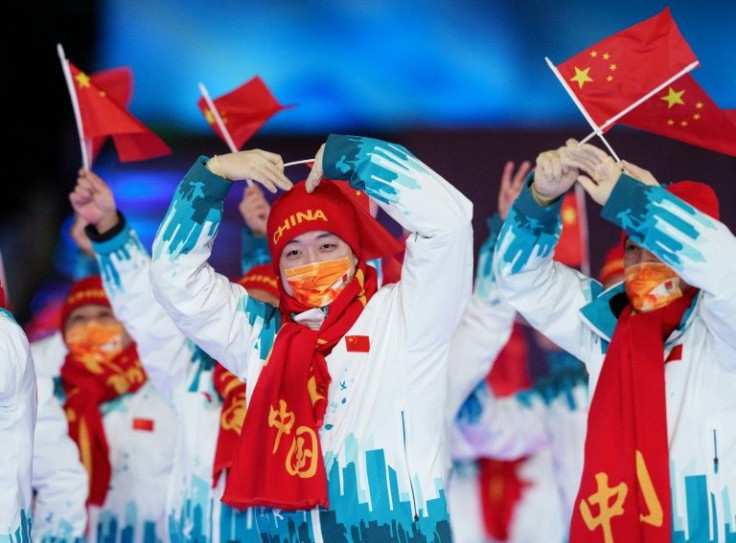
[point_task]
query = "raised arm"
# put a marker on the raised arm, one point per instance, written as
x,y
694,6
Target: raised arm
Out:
x,y
436,276
547,293
125,265
214,313
254,208
697,246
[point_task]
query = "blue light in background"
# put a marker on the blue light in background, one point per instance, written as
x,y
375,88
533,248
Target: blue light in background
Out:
x,y
385,65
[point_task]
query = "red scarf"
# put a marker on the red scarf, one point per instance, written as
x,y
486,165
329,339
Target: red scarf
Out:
x,y
624,492
87,385
280,462
501,488
500,484
232,392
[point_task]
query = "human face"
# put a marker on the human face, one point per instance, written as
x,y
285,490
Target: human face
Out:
x,y
314,246
636,254
94,313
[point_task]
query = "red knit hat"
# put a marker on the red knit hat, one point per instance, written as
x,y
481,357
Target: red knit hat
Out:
x,y
699,195
87,291
261,277
327,208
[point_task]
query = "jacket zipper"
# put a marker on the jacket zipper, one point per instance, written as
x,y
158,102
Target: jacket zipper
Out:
x,y
414,508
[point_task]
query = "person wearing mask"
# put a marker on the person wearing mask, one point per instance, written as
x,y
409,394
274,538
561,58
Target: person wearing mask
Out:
x,y
659,348
124,430
346,383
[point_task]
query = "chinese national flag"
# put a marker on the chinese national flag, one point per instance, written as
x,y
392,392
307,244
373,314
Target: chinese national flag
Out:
x,y
243,110
614,73
684,111
572,246
103,115
357,344
118,84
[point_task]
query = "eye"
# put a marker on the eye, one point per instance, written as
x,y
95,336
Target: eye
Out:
x,y
293,253
328,246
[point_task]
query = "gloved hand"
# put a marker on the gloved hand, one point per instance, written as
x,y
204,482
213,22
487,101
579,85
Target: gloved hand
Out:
x,y
262,166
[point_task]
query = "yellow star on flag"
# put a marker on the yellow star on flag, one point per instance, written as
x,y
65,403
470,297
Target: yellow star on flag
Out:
x,y
83,80
581,77
673,97
569,216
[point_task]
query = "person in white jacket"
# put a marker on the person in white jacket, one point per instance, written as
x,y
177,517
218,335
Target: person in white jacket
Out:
x,y
18,406
123,430
60,482
348,442
542,427
184,374
659,348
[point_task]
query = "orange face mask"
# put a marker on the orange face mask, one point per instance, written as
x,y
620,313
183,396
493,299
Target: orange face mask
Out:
x,y
651,285
95,341
319,283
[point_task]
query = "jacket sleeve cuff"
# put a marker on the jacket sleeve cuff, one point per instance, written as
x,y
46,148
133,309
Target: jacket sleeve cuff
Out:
x,y
111,240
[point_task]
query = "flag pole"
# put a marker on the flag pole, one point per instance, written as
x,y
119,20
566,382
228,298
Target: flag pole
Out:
x,y
294,163
596,129
218,119
75,104
580,195
220,124
686,69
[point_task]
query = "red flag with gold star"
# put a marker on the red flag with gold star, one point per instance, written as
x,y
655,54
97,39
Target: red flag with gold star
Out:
x,y
243,110
572,247
616,72
118,84
102,115
683,111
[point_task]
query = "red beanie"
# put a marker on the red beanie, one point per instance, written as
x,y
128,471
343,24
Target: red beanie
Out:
x,y
261,277
327,208
87,291
699,195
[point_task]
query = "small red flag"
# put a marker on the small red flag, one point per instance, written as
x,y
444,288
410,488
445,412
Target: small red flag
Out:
x,y
145,425
357,344
684,111
614,73
102,115
571,248
118,84
243,110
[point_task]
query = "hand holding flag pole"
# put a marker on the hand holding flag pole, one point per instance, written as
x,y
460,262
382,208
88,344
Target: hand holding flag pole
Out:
x,y
75,106
100,107
221,125
218,119
226,134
